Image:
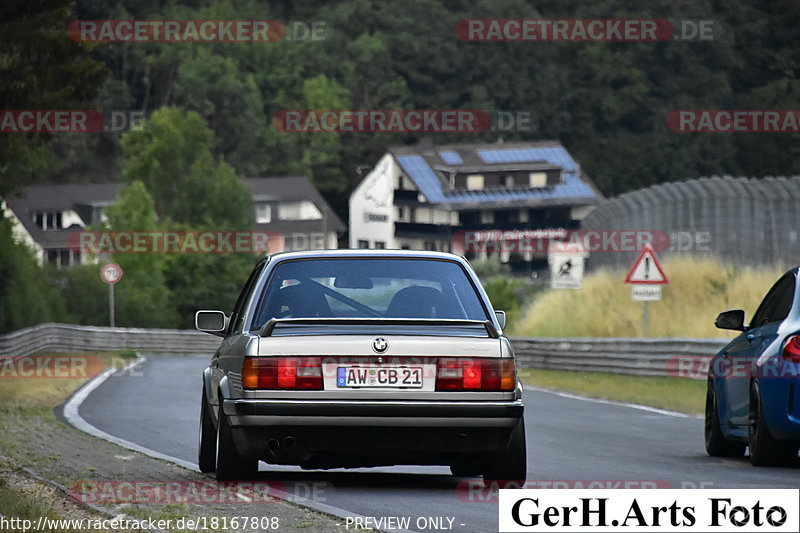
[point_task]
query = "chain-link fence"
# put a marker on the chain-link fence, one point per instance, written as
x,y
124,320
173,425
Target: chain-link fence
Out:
x,y
743,220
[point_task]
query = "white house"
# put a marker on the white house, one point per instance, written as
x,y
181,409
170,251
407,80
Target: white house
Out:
x,y
426,197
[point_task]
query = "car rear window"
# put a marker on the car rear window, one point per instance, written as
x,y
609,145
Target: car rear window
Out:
x,y
369,288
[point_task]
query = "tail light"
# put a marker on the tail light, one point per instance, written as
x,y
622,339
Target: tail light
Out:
x,y
282,373
475,374
791,349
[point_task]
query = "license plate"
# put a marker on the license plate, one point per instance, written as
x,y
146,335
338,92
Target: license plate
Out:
x,y
381,376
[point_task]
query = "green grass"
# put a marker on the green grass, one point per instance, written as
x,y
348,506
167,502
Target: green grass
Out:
x,y
674,394
29,393
27,505
29,401
699,290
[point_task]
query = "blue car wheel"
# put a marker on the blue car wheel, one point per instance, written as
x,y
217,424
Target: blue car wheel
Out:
x,y
765,450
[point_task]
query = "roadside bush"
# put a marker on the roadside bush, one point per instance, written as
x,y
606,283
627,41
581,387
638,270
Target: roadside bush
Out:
x,y
699,290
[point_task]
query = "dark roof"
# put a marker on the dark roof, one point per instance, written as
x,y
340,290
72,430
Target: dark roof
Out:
x,y
294,188
81,198
428,165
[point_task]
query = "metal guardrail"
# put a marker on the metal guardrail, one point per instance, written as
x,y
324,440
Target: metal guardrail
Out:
x,y
632,356
51,337
646,357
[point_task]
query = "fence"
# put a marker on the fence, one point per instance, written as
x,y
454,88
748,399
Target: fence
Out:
x,y
70,338
743,221
643,357
648,357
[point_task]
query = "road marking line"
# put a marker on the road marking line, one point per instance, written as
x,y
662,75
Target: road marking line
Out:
x,y
72,415
71,412
637,406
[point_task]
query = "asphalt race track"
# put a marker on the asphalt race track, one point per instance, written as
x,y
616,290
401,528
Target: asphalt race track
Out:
x,y
157,406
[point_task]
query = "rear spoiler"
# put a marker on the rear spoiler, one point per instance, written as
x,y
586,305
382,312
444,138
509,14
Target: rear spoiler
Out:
x,y
269,327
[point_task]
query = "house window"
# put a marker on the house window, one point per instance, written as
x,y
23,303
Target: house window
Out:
x,y
508,181
62,257
487,217
48,221
380,245
401,214
363,244
538,179
299,211
263,214
475,182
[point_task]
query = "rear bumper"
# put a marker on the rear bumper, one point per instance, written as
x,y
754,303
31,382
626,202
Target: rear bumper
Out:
x,y
781,403
255,413
329,433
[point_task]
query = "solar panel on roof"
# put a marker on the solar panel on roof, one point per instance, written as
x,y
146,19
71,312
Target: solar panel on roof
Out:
x,y
430,185
423,175
554,155
451,157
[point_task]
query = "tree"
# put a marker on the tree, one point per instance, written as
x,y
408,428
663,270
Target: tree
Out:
x,y
27,296
142,296
171,155
42,68
322,154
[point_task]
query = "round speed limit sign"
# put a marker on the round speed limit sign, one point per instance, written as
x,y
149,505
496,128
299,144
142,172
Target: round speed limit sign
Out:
x,y
111,273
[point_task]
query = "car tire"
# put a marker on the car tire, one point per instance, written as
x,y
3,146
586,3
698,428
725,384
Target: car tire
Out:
x,y
510,465
207,446
716,443
230,465
765,450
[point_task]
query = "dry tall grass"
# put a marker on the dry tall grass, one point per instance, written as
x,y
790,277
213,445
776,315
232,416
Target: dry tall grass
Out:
x,y
699,289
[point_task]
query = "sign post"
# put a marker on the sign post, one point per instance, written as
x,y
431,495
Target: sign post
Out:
x,y
566,265
646,275
111,273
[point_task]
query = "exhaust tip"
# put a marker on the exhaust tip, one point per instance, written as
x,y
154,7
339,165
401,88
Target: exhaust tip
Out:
x,y
273,444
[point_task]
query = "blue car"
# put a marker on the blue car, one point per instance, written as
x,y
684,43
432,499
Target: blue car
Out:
x,y
753,397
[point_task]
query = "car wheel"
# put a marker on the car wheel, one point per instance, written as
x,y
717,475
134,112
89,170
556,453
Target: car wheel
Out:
x,y
716,443
207,448
230,465
765,450
509,466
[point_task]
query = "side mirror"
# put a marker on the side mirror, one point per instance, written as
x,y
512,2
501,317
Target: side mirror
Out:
x,y
501,318
731,320
214,322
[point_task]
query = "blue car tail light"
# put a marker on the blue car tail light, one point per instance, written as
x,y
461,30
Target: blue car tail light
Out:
x,y
791,349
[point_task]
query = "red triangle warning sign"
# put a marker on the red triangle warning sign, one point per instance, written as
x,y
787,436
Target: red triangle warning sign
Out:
x,y
647,270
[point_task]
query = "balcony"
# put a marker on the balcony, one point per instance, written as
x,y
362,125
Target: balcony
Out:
x,y
417,230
